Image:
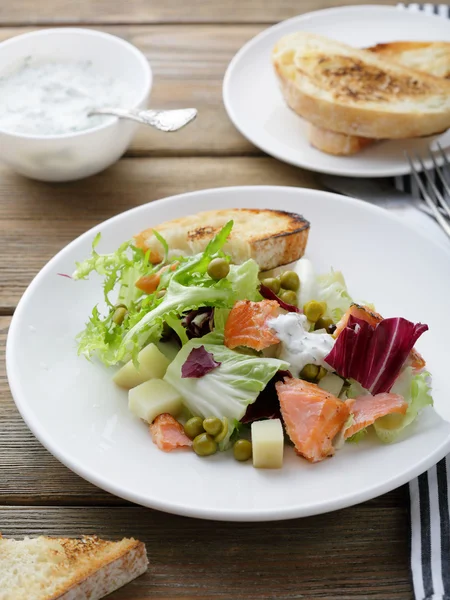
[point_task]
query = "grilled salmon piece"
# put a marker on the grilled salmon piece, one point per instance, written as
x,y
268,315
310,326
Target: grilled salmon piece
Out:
x,y
247,324
312,417
367,409
168,434
366,314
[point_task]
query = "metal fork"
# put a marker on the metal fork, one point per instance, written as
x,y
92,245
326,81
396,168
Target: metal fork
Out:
x,y
432,196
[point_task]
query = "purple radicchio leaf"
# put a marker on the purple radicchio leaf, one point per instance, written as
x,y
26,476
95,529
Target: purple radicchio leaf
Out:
x,y
198,363
198,322
266,405
374,356
269,295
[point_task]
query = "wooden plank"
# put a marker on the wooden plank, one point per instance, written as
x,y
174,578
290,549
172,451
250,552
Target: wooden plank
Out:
x,y
189,63
30,474
54,12
38,219
352,554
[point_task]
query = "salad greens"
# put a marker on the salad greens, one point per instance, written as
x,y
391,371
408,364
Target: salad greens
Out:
x,y
227,390
415,389
187,287
181,303
330,288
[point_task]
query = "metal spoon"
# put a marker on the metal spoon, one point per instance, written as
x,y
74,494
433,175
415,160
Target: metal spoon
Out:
x,y
164,120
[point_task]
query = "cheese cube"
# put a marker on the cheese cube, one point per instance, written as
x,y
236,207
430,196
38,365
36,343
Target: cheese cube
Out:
x,y
267,444
152,398
152,365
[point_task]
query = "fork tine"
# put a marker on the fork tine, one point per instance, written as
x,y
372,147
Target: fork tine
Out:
x,y
432,205
444,156
442,200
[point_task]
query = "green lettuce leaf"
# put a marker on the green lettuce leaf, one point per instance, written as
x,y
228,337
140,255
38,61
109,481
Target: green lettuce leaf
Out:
x,y
330,288
358,436
220,319
187,287
122,267
416,390
227,390
197,291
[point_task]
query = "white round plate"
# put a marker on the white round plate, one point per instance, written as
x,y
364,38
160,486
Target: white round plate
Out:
x,y
255,105
74,409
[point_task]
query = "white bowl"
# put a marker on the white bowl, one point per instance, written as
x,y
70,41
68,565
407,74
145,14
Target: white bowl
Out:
x,y
72,156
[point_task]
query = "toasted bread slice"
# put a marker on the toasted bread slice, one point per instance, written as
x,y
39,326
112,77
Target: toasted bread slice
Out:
x,y
356,92
271,237
339,144
430,57
47,568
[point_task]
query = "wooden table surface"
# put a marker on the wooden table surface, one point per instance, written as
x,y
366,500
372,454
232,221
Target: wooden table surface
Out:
x,y
353,554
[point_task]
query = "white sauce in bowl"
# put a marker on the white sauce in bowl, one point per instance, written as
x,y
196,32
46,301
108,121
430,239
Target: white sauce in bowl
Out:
x,y
54,98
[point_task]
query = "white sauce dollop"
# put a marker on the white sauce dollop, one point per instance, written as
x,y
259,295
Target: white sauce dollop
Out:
x,y
300,347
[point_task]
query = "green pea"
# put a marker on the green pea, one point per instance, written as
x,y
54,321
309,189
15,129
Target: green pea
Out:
x,y
290,281
193,427
309,372
160,294
289,297
242,450
204,445
218,268
322,373
212,425
119,315
222,434
273,283
314,310
322,323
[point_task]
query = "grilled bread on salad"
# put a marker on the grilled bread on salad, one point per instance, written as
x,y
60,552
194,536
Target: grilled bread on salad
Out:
x,y
430,57
271,237
356,92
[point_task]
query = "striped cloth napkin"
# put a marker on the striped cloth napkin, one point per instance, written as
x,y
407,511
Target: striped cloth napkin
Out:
x,y
429,493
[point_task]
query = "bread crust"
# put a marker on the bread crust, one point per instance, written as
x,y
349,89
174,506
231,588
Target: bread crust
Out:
x,y
339,144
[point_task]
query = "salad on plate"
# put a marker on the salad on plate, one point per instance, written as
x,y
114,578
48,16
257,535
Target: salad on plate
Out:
x,y
219,353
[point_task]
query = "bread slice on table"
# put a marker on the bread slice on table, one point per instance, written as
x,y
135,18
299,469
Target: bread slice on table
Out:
x,y
271,237
356,92
430,57
89,568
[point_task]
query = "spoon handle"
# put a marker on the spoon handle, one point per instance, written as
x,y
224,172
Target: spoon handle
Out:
x,y
164,120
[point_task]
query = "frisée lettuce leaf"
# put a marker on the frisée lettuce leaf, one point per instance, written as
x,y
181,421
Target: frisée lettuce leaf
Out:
x,y
187,287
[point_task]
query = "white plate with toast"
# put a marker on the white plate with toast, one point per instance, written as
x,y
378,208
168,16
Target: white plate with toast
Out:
x,y
82,418
258,108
